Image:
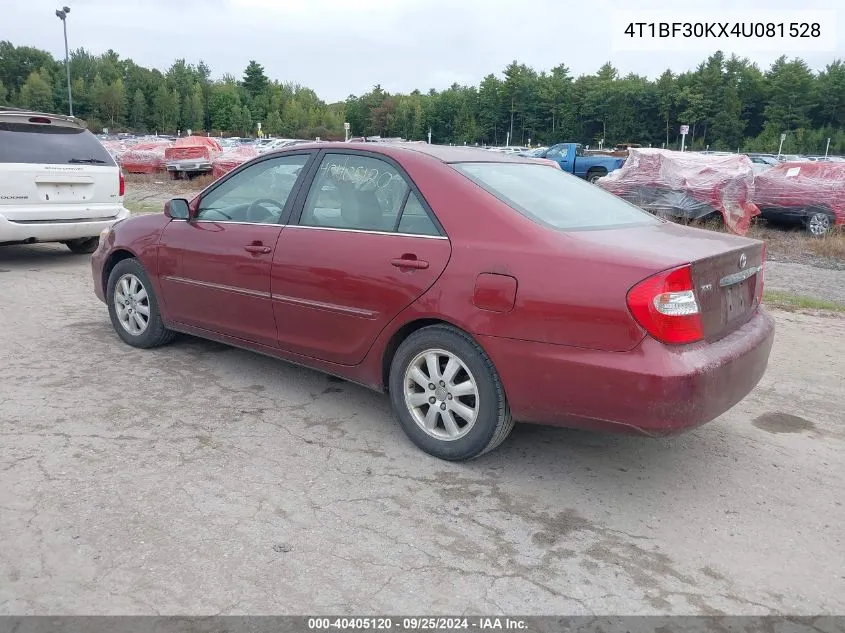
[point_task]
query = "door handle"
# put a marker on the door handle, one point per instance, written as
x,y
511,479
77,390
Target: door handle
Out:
x,y
257,248
407,262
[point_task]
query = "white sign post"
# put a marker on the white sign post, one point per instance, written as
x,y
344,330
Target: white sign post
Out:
x,y
684,132
780,147
346,128
827,149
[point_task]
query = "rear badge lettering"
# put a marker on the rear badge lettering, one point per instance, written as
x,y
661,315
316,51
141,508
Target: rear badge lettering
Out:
x,y
706,287
743,260
14,197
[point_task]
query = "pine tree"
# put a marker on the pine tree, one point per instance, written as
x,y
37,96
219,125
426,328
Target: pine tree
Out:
x,y
254,78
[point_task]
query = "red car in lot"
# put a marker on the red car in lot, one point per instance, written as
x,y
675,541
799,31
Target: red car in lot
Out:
x,y
475,288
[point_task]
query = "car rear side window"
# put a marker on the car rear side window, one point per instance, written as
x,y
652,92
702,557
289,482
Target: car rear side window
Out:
x,y
49,144
415,219
553,198
357,192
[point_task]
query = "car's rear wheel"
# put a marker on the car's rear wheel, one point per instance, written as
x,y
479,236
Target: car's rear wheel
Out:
x,y
83,246
133,306
594,174
447,394
818,223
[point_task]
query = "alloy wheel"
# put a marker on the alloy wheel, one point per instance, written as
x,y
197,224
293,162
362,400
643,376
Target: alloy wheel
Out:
x,y
441,394
132,304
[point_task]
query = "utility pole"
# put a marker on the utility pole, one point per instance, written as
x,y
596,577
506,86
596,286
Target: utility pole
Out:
x,y
62,15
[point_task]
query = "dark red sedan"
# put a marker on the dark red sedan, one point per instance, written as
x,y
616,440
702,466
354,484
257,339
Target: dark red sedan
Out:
x,y
475,288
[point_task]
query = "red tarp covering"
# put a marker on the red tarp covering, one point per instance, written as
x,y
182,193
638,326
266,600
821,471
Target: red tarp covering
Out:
x,y
117,149
193,147
230,159
805,185
145,158
687,185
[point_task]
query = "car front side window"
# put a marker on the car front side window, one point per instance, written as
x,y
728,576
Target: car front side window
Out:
x,y
256,195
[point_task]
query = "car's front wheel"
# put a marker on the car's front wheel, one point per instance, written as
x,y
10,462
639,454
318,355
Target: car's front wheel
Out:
x,y
133,306
447,394
83,246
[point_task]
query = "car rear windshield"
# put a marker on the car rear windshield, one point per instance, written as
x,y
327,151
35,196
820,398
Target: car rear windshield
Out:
x,y
48,144
551,197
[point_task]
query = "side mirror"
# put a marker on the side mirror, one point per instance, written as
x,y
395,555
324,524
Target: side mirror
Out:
x,y
177,209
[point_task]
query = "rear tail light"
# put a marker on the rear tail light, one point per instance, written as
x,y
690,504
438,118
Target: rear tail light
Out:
x,y
666,306
121,189
758,295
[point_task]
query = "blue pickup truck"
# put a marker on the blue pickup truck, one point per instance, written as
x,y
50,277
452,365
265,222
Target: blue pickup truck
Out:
x,y
572,159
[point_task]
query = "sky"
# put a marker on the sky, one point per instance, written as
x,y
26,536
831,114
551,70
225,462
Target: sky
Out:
x,y
343,47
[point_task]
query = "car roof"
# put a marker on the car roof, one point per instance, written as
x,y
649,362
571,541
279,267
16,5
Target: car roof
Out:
x,y
443,153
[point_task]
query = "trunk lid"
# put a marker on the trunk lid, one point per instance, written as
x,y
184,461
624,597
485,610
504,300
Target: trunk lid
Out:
x,y
727,270
183,153
726,286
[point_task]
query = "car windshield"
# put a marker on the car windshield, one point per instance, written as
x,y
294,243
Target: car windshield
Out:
x,y
43,144
554,198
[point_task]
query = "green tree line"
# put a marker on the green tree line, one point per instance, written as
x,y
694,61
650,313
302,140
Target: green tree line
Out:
x,y
728,102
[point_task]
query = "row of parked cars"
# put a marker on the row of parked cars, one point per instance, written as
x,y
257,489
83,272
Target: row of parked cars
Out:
x,y
188,156
699,185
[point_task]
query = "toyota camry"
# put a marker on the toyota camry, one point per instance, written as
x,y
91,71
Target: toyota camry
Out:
x,y
475,288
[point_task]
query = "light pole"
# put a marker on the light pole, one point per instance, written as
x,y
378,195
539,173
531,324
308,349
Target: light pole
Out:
x,y
62,15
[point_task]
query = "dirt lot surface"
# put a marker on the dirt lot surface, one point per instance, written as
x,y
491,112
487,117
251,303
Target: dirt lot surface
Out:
x,y
806,280
199,479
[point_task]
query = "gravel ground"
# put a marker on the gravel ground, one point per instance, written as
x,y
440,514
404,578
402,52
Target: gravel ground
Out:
x,y
199,479
806,280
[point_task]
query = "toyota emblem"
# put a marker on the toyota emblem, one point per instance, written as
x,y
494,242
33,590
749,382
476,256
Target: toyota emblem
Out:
x,y
742,260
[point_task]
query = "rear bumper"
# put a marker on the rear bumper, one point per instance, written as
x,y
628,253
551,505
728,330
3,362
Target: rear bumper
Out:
x,y
654,389
199,164
55,230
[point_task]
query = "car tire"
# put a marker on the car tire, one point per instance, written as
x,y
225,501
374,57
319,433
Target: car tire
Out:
x,y
129,294
594,174
83,246
455,427
818,223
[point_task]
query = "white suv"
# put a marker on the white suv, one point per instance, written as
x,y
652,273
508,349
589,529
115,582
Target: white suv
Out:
x,y
57,182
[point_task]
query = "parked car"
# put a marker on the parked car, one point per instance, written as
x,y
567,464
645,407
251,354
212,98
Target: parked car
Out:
x,y
57,181
688,186
191,156
572,159
475,288
232,158
146,157
811,194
